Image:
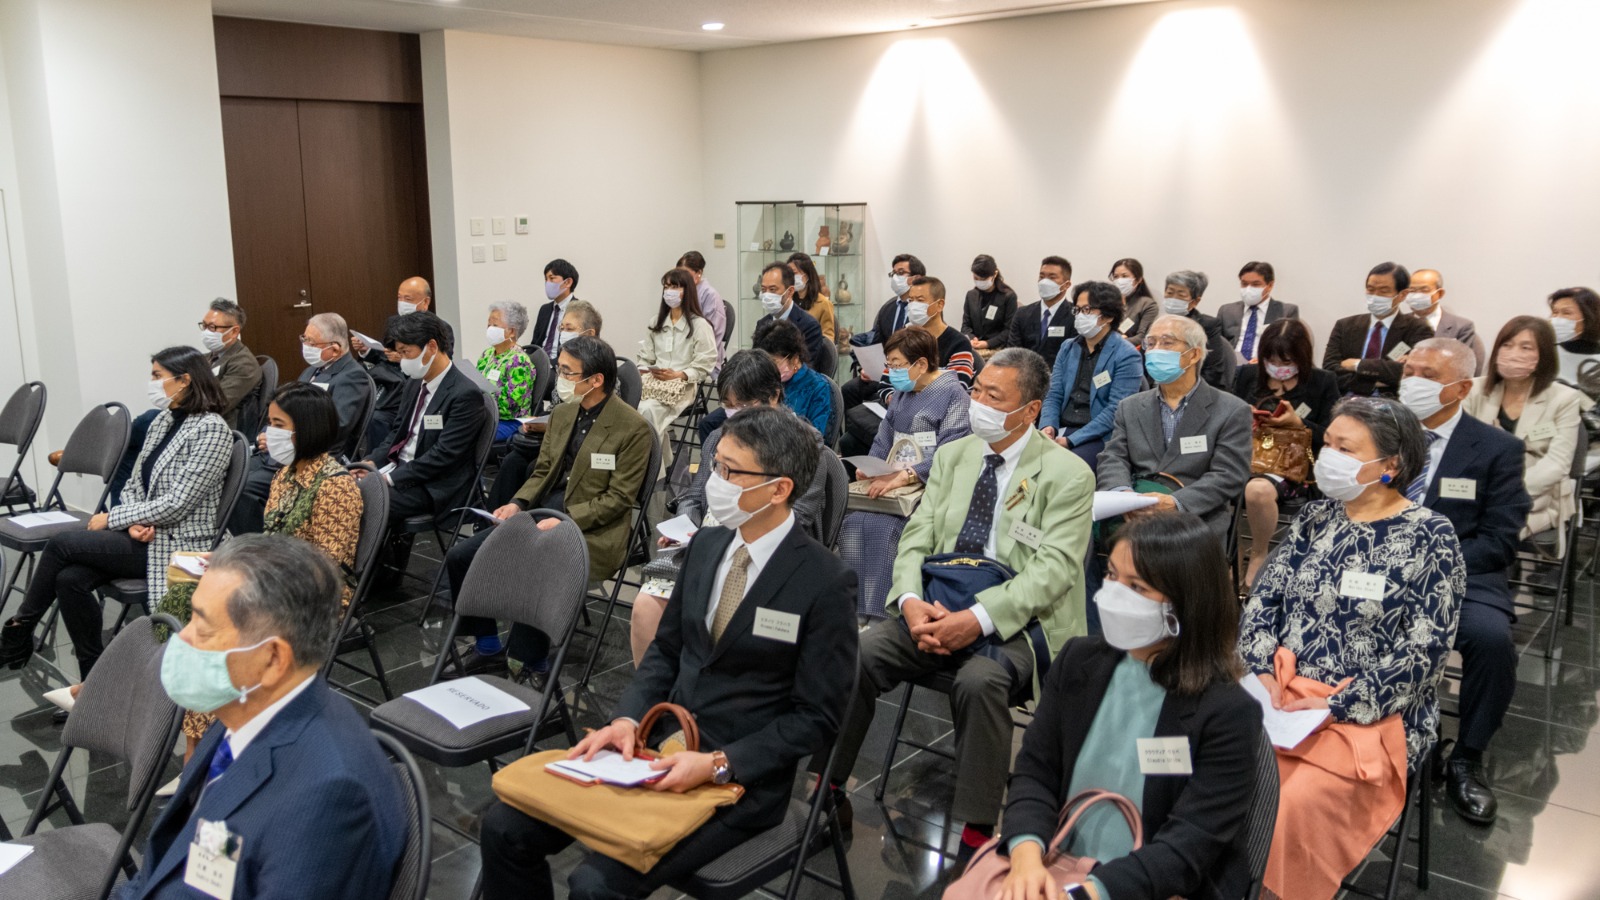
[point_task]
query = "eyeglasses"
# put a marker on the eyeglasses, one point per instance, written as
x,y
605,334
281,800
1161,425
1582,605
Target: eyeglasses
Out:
x,y
565,372
722,471
1165,342
215,329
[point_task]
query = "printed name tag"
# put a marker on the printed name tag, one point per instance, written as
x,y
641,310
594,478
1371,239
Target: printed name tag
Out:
x,y
991,312
927,440
492,375
433,423
323,384
1400,349
1126,324
1302,410
1101,380
1543,432
1025,534
777,626
1058,331
1361,585
210,869
216,370
1165,756
1195,444
605,462
1458,488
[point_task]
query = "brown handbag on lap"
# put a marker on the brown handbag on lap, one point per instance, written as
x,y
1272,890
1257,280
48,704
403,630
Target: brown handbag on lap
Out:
x,y
1281,450
635,826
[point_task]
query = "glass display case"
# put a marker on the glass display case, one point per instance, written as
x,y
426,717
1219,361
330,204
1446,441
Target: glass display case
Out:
x,y
768,232
832,234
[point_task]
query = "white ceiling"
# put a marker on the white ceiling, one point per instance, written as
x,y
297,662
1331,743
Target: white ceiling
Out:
x,y
668,24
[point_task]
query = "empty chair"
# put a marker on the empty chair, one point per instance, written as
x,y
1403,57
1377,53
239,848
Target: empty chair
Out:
x,y
19,422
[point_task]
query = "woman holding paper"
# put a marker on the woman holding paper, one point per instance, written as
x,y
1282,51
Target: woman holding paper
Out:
x,y
927,409
1355,613
1164,675
677,353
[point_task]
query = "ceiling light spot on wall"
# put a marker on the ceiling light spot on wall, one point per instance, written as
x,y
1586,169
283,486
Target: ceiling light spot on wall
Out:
x,y
711,26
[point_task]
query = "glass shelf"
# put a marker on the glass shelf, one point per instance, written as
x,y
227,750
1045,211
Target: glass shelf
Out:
x,y
770,231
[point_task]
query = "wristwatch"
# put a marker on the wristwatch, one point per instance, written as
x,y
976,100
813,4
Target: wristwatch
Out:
x,y
1076,892
721,772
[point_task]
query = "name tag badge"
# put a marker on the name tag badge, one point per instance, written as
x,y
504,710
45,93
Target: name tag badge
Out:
x,y
1101,380
1400,349
213,860
1361,585
927,440
1458,489
322,384
1025,534
1193,444
1543,432
432,423
1126,325
1302,410
1165,756
216,370
991,312
605,462
1058,331
492,375
777,626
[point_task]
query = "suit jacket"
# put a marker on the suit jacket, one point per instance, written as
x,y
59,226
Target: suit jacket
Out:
x,y
597,500
1462,329
1126,375
1221,361
546,320
1056,490
1231,315
348,384
387,375
1490,524
1025,329
445,461
313,799
765,702
987,315
1549,429
809,329
1348,340
185,482
1140,315
236,367
1195,836
1212,478
882,324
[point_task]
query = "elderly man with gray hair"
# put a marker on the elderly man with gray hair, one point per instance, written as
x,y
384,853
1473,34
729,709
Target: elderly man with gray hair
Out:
x,y
506,366
1184,291
221,333
283,749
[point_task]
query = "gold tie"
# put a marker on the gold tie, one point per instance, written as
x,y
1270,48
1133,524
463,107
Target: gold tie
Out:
x,y
732,593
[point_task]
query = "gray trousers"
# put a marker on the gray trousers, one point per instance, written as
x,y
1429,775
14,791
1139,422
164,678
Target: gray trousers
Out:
x,y
980,701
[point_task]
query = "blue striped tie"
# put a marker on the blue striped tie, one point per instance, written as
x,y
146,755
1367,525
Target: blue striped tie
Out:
x,y
220,761
1419,485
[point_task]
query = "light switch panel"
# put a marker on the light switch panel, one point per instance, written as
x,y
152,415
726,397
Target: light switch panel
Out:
x,y
499,224
475,226
478,254
499,252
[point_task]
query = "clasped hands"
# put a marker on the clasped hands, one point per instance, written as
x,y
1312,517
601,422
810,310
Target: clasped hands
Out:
x,y
144,534
1275,691
938,630
685,771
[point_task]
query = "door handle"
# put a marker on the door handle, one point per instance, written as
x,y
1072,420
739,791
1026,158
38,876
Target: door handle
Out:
x,y
305,301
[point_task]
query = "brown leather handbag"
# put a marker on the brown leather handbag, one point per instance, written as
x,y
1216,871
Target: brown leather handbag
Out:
x,y
635,826
1281,450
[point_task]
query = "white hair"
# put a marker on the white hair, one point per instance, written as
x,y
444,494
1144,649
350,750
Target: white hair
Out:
x,y
1191,331
1460,360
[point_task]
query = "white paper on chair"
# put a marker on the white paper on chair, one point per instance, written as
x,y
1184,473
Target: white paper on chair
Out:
x,y
11,854
34,520
873,364
1285,728
188,562
677,529
876,409
607,766
872,467
1117,503
62,697
467,701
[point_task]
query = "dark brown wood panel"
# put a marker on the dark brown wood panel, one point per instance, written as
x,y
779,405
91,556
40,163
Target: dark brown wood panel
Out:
x,y
266,206
256,58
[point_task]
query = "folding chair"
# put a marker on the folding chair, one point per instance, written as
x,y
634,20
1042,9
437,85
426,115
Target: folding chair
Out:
x,y
124,714
630,387
357,437
836,423
943,682
474,497
727,331
253,412
354,633
416,863
19,422
828,365
1262,820
638,546
544,373
1529,556
836,493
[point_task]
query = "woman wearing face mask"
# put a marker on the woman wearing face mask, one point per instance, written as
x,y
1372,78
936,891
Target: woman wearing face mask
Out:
x,y
507,365
169,504
811,292
677,353
990,306
1093,373
1128,275
1520,395
1355,613
1575,316
1164,668
1287,391
805,391
928,409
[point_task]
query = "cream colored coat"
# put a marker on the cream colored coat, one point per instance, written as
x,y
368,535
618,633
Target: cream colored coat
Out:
x,y
1549,431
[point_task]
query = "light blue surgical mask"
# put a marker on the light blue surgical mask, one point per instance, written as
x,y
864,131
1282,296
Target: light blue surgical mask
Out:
x,y
198,679
901,380
1164,366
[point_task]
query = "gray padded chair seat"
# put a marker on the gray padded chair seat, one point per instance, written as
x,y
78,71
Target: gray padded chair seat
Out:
x,y
16,536
414,724
66,864
760,851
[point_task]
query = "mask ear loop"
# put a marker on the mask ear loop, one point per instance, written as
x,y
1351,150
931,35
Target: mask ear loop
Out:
x,y
1170,621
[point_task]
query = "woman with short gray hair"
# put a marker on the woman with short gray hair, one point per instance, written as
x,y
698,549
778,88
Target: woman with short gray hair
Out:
x,y
507,365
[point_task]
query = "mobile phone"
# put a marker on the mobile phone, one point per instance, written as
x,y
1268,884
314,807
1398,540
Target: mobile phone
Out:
x,y
1269,407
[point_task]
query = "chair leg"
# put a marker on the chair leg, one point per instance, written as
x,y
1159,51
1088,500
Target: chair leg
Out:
x,y
1425,826
894,742
600,636
378,674
1401,838
433,592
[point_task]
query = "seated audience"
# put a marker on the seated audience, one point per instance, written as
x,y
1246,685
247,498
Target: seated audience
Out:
x,y
1044,325
809,394
1244,319
1520,395
507,366
1425,300
169,504
1014,497
927,410
1473,477
990,306
1184,291
811,293
567,477
777,300
383,363
1184,428
1287,392
1575,316
222,333
1365,351
762,703
560,280
302,788
892,316
712,306
1167,666
1354,614
678,353
1093,373
1128,275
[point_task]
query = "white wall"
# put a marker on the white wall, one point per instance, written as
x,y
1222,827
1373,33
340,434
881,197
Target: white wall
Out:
x,y
598,146
1322,137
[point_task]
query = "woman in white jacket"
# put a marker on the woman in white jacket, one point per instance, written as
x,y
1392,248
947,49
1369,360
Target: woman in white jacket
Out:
x,y
676,355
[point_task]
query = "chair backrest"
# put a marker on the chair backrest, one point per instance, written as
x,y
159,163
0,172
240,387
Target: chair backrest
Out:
x,y
652,475
491,422
629,386
727,330
543,376
978,363
829,363
835,496
416,863
253,412
1262,819
369,404
511,578
20,417
232,485
375,500
95,448
1580,453
836,421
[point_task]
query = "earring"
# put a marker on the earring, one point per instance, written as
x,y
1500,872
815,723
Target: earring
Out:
x,y
1386,478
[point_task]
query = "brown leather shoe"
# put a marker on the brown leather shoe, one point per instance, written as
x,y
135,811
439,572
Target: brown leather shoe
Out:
x,y
55,457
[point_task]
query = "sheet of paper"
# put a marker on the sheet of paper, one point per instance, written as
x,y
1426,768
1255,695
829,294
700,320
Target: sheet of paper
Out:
x,y
372,343
11,854
482,514
194,565
467,701
535,419
1285,729
61,697
678,529
872,466
1116,503
872,362
608,766
34,520
877,409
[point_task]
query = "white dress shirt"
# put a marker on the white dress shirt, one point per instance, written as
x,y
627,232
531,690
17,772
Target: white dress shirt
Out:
x,y
409,451
760,550
1384,323
1435,316
249,731
1436,452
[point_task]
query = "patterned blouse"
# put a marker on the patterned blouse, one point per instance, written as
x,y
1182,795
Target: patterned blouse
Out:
x,y
322,508
1394,648
512,371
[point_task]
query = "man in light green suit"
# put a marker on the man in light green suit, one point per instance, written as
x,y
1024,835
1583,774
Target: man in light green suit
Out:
x,y
1011,495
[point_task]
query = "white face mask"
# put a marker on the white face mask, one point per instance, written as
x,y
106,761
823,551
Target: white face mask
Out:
x,y
917,312
1421,395
899,284
416,366
1337,475
1566,329
1125,285
1281,373
672,297
988,423
312,355
158,393
1048,290
496,335
983,284
722,500
1379,306
552,289
212,341
1087,323
1252,295
405,307
799,282
562,337
567,390
280,445
1172,306
1419,301
1129,620
772,303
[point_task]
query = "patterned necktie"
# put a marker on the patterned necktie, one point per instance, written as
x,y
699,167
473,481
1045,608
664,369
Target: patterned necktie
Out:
x,y
1374,342
1247,347
422,404
220,761
980,514
1044,323
1419,485
732,593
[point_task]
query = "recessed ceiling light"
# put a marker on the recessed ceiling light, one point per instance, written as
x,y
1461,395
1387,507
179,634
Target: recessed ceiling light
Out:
x,y
711,26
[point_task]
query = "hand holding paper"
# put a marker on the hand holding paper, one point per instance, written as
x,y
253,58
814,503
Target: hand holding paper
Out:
x,y
873,364
872,467
1285,728
1117,503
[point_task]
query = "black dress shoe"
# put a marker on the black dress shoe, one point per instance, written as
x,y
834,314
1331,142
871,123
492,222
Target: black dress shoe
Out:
x,y
475,663
59,717
1468,793
16,643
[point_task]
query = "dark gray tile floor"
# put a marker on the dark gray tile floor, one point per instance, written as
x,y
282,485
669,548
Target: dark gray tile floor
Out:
x,y
1545,764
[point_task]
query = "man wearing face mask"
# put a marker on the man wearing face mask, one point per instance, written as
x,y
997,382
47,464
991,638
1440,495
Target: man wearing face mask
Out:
x,y
1184,291
1244,319
1093,374
892,316
1014,497
221,333
777,300
1425,300
283,749
383,364
1473,477
1366,351
560,280
1045,325
591,463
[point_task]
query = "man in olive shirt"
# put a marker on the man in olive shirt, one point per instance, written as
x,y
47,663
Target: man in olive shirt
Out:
x,y
221,331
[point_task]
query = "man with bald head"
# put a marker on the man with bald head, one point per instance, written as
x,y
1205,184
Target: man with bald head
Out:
x,y
1425,300
1473,477
383,363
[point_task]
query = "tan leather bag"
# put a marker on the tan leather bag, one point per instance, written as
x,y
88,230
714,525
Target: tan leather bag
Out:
x,y
635,826
987,871
1281,450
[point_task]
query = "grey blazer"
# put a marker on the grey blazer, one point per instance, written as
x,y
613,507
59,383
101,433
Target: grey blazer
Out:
x,y
348,385
1213,477
1232,316
1462,329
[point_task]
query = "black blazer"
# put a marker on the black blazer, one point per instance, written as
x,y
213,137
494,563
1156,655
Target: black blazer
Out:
x,y
445,461
348,386
976,321
1221,359
1025,329
882,323
1490,525
1194,826
1348,340
809,329
1317,389
764,702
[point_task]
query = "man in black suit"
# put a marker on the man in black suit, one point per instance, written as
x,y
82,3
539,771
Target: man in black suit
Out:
x,y
560,280
758,641
1366,351
777,298
383,364
1244,319
892,316
1473,478
1044,326
1185,289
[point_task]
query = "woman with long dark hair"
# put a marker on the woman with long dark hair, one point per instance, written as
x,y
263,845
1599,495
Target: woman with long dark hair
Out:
x,y
811,292
677,353
990,306
1128,275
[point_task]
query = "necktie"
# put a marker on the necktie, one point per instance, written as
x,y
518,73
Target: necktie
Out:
x,y
899,315
422,404
550,333
1374,342
1044,323
1419,485
732,593
220,761
980,514
1247,347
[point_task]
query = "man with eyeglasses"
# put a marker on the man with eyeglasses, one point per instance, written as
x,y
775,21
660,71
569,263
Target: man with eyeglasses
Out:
x,y
594,458
221,333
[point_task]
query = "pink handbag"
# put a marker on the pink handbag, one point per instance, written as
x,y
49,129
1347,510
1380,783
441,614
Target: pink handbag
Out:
x,y
988,869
